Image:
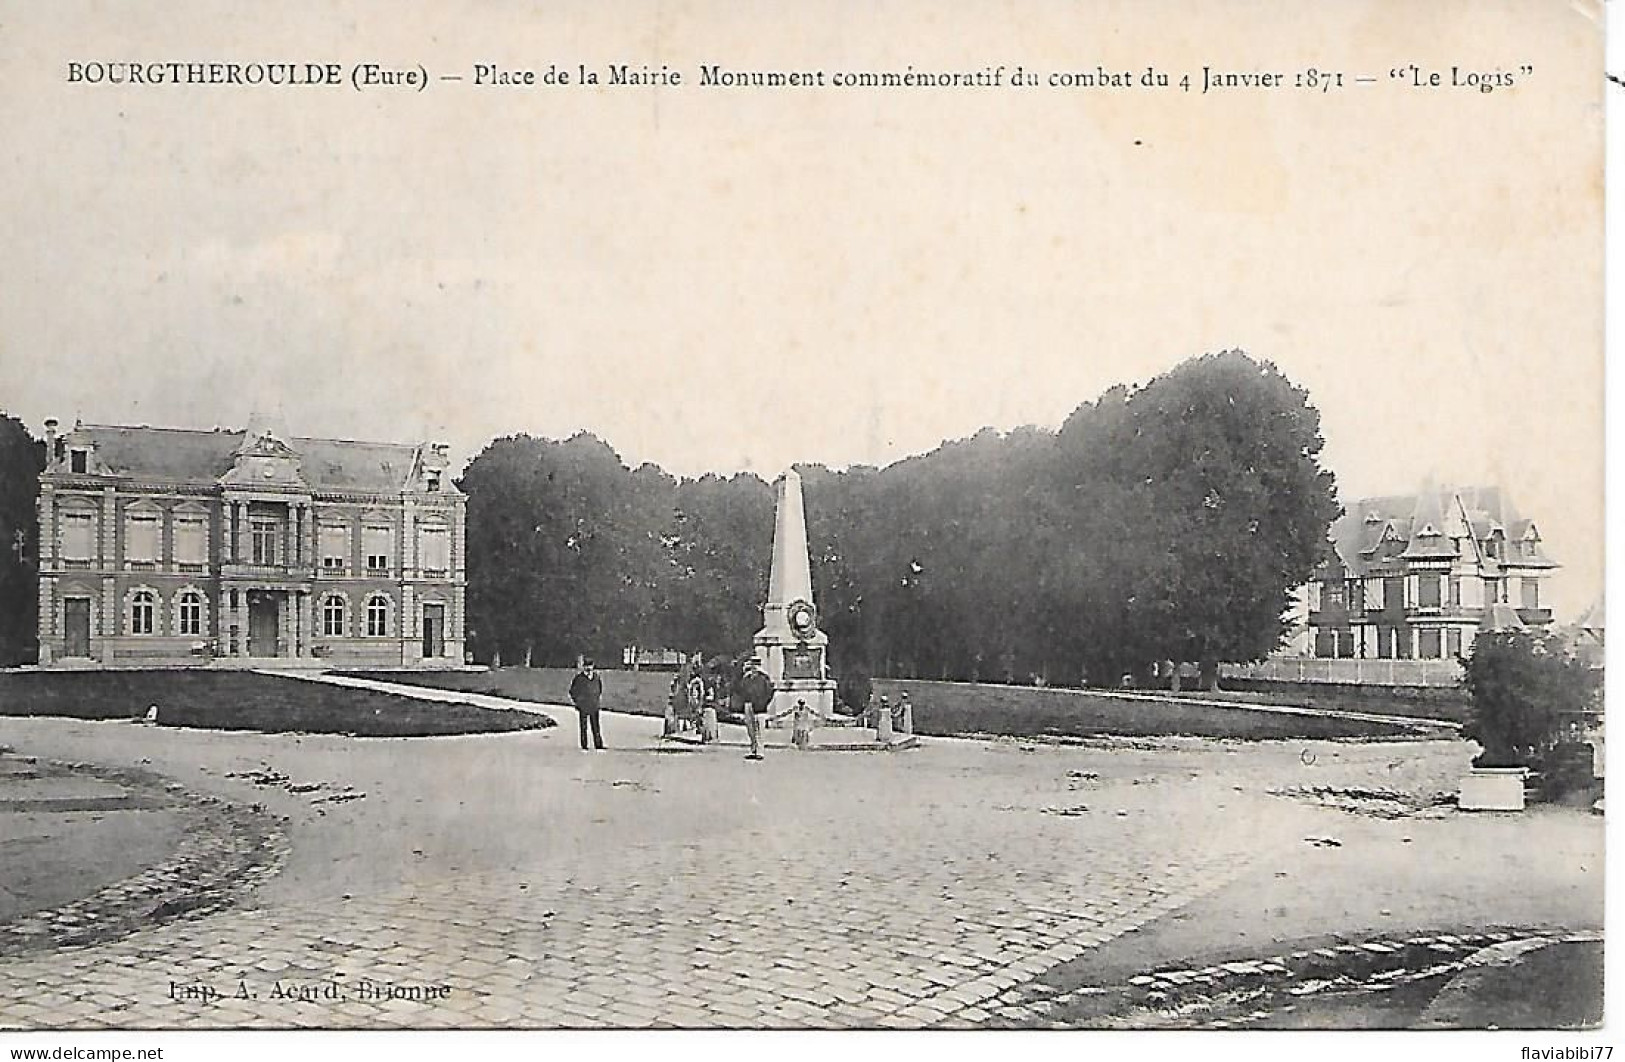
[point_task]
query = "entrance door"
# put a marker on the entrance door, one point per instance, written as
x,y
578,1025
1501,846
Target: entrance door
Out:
x,y
434,632
76,626
262,625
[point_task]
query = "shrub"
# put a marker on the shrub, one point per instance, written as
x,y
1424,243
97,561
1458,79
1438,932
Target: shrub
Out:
x,y
852,689
1525,688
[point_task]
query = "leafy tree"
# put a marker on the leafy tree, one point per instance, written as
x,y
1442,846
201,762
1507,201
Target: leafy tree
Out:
x,y
1524,689
1227,450
720,532
564,548
1168,521
22,458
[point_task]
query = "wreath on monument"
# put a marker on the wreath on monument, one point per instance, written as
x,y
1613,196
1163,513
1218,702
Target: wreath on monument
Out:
x,y
803,618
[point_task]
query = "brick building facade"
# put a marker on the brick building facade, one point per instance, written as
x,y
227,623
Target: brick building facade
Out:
x,y
1415,577
161,547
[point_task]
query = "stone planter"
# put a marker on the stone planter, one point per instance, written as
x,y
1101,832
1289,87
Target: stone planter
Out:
x,y
1492,789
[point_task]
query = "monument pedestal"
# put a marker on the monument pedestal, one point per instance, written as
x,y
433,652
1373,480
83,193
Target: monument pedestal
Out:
x,y
797,670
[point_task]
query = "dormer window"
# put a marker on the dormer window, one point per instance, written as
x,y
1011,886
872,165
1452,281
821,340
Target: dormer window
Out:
x,y
79,461
434,481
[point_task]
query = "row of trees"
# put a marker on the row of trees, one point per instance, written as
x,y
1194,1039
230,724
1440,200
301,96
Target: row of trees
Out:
x,y
1165,522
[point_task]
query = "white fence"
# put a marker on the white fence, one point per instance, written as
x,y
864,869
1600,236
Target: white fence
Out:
x,y
1349,672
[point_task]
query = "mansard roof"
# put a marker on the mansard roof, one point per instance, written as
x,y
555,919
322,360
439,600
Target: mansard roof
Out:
x,y
178,455
1428,540
1359,533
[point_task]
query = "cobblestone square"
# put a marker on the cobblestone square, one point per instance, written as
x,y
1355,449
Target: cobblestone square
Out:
x,y
515,881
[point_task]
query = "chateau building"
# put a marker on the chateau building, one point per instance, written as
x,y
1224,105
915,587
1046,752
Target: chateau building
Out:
x,y
1415,577
161,546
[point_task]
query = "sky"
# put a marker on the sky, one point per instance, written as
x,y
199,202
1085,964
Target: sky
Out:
x,y
717,279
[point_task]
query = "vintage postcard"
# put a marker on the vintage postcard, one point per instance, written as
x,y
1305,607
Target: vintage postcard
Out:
x,y
545,516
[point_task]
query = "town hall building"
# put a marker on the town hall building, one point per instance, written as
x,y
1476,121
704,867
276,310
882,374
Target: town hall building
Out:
x,y
162,547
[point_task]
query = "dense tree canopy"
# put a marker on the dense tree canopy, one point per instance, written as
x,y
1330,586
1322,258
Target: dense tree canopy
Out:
x,y
1167,522
22,458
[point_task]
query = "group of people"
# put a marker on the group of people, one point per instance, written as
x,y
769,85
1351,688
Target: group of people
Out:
x,y
740,684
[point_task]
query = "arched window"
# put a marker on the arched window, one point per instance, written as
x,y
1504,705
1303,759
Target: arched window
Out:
x,y
377,616
333,617
143,609
189,613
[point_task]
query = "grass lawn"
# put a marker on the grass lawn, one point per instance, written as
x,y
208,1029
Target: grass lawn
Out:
x,y
240,700
948,708
1020,711
632,692
1442,702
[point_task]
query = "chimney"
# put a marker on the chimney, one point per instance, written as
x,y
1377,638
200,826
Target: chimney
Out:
x,y
50,440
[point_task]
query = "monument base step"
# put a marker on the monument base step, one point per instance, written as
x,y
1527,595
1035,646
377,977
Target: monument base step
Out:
x,y
832,739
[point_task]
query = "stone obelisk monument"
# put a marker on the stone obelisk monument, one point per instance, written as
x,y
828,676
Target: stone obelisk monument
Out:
x,y
790,647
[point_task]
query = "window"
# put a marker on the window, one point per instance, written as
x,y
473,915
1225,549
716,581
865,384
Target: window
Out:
x,y
262,532
79,461
434,549
1531,593
434,482
333,617
376,542
377,616
78,538
143,606
141,538
1427,591
335,545
1393,592
191,542
189,613
1385,643
1428,645
1452,643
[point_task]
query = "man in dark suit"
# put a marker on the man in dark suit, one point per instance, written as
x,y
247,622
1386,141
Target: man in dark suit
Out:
x,y
755,692
586,690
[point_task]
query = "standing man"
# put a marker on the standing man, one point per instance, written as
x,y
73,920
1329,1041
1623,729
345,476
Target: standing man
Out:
x,y
586,690
756,693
